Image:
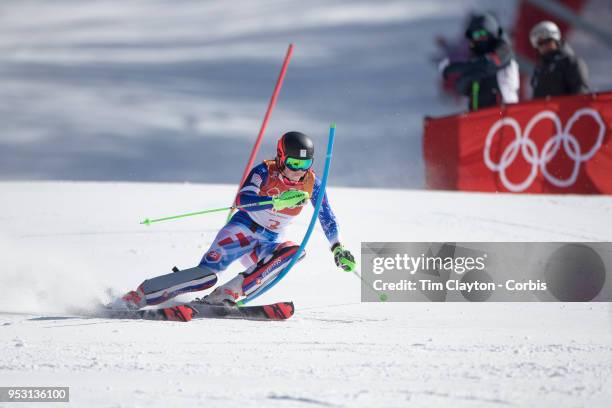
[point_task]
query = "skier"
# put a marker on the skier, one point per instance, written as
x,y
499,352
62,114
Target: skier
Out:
x,y
491,75
252,234
559,71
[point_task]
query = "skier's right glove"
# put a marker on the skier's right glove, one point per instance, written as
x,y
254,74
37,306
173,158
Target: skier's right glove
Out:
x,y
289,199
343,258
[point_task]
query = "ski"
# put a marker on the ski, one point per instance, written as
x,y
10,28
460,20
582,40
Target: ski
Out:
x,y
275,311
199,310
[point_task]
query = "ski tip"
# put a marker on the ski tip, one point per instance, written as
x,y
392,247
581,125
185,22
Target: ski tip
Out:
x,y
332,125
146,222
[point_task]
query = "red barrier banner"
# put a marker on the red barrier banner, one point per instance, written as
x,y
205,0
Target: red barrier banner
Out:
x,y
560,145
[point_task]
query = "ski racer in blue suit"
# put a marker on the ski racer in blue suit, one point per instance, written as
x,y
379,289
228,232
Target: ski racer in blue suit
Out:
x,y
253,234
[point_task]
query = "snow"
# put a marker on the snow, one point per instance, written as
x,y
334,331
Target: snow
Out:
x,y
64,243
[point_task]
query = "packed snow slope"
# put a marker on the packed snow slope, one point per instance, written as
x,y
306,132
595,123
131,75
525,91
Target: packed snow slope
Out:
x,y
63,244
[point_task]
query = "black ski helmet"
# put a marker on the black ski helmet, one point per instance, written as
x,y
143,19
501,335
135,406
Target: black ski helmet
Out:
x,y
294,144
488,23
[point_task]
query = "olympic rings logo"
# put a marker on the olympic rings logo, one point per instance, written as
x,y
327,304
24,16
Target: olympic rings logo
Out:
x,y
527,147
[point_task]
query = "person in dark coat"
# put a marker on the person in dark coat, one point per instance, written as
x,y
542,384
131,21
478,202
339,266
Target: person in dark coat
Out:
x,y
490,77
559,71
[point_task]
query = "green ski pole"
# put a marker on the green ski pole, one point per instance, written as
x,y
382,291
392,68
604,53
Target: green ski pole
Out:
x,y
173,217
381,295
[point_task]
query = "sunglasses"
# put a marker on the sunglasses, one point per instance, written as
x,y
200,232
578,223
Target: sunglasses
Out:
x,y
480,35
298,164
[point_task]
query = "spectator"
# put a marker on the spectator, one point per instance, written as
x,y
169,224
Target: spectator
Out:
x,y
491,75
559,71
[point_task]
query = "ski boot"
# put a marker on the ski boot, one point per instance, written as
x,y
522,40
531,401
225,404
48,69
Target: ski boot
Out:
x,y
226,294
133,300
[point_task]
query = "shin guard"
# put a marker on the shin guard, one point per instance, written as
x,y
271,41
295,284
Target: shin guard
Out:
x,y
268,268
158,290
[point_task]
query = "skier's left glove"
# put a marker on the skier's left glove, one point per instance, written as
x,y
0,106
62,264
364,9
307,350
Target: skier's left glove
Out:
x,y
343,258
289,199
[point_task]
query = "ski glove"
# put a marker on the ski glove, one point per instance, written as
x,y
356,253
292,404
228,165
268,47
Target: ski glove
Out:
x,y
343,258
289,199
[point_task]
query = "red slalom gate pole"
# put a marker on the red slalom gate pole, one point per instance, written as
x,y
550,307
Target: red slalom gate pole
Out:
x,y
264,124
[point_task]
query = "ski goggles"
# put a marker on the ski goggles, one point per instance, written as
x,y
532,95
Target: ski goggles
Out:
x,y
544,41
479,35
298,164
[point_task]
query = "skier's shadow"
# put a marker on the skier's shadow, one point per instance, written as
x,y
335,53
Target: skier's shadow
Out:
x,y
84,321
43,318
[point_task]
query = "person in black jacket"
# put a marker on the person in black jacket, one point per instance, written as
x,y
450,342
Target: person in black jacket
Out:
x,y
491,75
559,71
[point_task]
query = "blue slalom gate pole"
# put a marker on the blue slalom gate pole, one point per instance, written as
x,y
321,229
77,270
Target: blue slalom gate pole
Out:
x,y
317,208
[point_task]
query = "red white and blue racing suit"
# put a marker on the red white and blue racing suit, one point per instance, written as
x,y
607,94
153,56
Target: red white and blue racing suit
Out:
x,y
252,234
